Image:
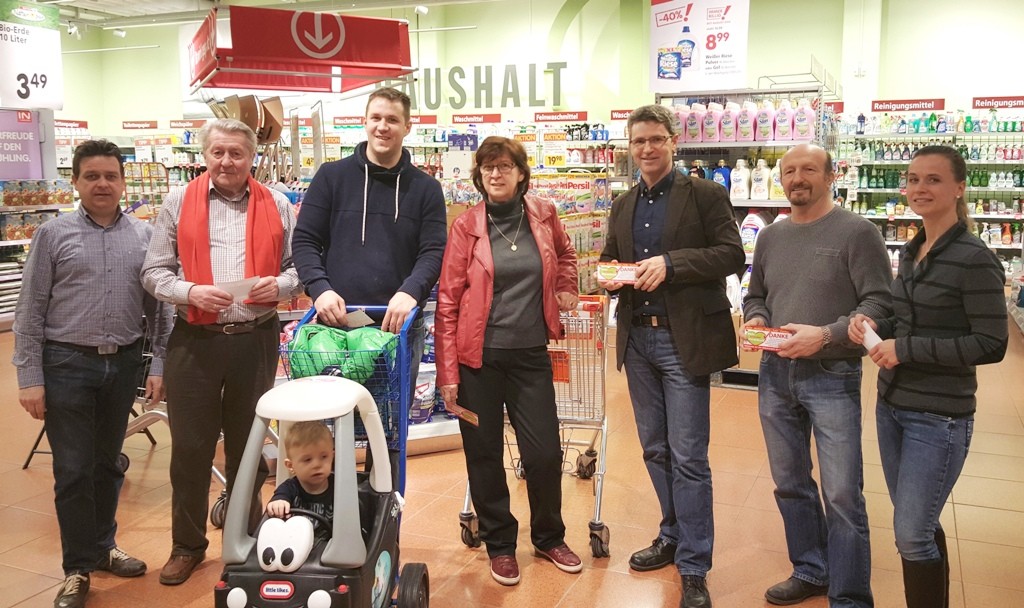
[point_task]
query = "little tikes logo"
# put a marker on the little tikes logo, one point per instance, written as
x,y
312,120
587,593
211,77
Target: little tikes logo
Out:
x,y
277,590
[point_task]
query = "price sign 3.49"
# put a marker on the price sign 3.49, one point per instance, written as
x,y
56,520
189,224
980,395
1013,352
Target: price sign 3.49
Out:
x,y
31,73
36,81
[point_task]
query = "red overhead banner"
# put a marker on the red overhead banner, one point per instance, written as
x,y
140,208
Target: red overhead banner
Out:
x,y
300,51
138,124
347,121
424,119
202,51
188,124
836,106
906,105
984,103
71,124
621,114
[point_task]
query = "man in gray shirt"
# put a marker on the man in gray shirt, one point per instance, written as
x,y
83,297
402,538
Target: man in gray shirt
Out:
x,y
811,273
78,330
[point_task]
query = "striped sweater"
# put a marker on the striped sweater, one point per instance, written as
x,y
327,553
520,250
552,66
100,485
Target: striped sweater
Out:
x,y
949,315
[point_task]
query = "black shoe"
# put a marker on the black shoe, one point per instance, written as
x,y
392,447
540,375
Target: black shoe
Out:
x,y
72,593
661,553
695,593
793,591
119,563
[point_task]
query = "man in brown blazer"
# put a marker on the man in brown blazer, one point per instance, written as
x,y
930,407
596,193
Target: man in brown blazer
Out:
x,y
674,330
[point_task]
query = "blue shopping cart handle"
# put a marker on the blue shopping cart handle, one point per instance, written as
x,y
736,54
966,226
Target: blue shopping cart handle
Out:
x,y
306,318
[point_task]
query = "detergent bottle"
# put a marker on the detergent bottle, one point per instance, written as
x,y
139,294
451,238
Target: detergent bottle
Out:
x,y
749,229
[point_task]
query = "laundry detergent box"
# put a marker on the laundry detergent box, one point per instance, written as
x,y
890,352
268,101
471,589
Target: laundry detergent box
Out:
x,y
764,338
619,273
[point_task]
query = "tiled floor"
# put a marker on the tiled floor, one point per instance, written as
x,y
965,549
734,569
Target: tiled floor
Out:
x,y
984,518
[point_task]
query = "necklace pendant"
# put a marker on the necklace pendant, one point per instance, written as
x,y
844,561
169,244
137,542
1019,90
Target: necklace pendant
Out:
x,y
514,248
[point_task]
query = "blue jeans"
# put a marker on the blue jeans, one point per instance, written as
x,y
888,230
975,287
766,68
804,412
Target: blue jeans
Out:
x,y
88,398
795,398
672,409
922,456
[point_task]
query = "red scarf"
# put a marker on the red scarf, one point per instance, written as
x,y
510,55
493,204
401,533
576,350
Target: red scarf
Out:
x,y
264,238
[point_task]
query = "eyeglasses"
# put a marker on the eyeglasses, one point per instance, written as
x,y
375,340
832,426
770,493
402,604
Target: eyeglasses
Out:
x,y
656,142
503,168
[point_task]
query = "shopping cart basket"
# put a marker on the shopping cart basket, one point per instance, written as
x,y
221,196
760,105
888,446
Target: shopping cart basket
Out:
x,y
578,368
384,371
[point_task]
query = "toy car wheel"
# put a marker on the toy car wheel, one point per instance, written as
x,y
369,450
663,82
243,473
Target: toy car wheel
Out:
x,y
414,586
219,510
586,465
123,462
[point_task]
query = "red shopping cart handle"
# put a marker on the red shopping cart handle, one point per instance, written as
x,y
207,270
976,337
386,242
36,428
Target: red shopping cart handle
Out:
x,y
462,413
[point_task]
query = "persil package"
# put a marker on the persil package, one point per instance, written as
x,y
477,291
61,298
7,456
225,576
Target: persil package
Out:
x,y
764,338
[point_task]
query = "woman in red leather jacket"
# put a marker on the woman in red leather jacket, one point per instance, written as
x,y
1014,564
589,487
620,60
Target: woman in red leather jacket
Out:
x,y
508,270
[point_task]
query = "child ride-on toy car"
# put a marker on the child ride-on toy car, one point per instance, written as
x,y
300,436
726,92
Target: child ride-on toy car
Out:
x,y
356,566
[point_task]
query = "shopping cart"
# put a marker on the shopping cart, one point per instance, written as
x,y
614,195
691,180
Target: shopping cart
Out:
x,y
578,368
383,371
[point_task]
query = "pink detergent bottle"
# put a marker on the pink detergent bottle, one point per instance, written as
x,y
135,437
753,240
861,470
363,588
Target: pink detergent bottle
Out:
x,y
804,120
746,122
784,121
764,128
693,131
727,126
712,123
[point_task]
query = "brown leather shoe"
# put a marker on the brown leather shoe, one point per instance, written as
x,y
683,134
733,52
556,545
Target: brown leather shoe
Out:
x,y
563,558
179,567
505,569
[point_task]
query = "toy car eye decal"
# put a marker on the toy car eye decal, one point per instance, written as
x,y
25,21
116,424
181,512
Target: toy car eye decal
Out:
x,y
284,545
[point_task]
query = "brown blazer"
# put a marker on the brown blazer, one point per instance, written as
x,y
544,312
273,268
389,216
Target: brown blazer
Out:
x,y
703,242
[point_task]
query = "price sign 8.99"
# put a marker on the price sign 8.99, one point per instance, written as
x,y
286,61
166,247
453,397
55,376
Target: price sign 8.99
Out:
x,y
31,73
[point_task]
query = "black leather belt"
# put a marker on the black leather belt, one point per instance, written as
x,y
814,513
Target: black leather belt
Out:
x,y
231,329
104,349
650,321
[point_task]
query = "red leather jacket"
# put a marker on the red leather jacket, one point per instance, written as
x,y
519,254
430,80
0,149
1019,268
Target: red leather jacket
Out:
x,y
467,284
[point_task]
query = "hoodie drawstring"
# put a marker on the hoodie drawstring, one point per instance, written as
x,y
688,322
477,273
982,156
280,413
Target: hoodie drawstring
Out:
x,y
366,191
398,183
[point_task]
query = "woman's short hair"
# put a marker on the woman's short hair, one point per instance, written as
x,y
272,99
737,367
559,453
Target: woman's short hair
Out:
x,y
495,147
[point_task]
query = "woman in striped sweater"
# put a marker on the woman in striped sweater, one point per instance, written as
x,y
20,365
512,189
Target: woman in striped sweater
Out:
x,y
949,315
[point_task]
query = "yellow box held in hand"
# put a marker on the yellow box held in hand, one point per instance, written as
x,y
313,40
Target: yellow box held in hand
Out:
x,y
764,338
619,273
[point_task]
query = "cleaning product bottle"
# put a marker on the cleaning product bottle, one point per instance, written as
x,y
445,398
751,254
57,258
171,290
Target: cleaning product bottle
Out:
x,y
713,122
784,121
745,284
727,126
694,129
760,179
721,174
1007,234
751,226
783,214
895,256
804,121
687,51
775,190
746,122
765,126
681,112
740,181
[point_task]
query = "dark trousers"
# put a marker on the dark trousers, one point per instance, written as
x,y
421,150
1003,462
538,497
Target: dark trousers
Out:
x,y
213,382
88,397
521,380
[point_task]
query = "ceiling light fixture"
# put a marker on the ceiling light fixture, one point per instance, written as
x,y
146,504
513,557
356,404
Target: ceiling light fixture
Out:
x,y
421,10
72,28
116,48
119,33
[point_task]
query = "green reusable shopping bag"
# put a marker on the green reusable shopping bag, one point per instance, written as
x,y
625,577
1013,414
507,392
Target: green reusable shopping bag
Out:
x,y
314,348
367,346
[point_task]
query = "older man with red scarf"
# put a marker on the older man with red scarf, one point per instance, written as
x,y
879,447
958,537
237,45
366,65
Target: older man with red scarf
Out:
x,y
222,354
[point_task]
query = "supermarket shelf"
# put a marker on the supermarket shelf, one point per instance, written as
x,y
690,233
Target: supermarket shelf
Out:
x,y
997,190
900,136
433,429
6,321
907,162
735,377
15,243
21,208
9,277
999,247
977,216
743,202
1017,314
703,145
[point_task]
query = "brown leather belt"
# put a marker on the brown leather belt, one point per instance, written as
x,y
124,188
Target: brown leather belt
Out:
x,y
231,329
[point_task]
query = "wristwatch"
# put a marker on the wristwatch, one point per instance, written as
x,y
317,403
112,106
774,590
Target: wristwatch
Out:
x,y
826,336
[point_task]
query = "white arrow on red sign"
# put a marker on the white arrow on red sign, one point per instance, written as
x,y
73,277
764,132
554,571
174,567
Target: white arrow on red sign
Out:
x,y
318,38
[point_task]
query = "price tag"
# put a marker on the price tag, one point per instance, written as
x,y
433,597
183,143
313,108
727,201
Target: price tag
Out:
x,y
554,160
31,72
713,41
